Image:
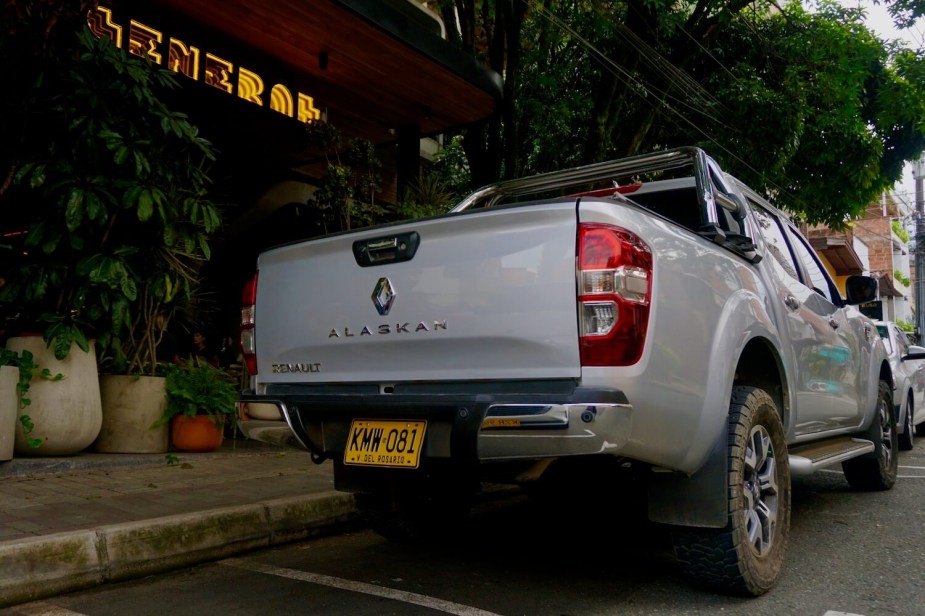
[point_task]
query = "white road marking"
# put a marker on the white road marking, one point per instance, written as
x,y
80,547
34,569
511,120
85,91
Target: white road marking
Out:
x,y
368,589
43,608
832,613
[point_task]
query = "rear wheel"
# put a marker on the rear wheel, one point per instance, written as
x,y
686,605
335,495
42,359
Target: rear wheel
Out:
x,y
907,438
877,470
747,555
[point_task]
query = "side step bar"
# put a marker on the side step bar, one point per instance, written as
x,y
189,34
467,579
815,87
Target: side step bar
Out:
x,y
807,459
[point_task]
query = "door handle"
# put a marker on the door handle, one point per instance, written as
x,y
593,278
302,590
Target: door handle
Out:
x,y
791,302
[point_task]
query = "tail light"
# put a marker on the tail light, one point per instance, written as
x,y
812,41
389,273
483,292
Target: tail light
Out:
x,y
614,278
248,341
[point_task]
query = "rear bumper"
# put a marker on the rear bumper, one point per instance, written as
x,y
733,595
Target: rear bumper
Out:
x,y
476,426
511,431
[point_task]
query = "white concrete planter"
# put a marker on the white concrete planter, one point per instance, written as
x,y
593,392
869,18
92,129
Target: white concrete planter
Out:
x,y
130,405
9,407
66,414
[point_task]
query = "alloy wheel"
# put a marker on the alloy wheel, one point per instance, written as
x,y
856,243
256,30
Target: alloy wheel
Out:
x,y
761,490
886,433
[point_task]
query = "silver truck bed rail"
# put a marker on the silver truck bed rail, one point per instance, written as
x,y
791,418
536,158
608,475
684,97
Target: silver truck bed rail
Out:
x,y
610,170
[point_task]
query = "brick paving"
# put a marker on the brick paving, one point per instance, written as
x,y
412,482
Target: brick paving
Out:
x,y
42,496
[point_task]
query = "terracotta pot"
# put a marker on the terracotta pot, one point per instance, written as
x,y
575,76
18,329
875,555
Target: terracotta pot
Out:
x,y
131,404
67,414
199,433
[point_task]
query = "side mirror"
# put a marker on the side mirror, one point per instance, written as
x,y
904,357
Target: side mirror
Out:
x,y
915,352
861,289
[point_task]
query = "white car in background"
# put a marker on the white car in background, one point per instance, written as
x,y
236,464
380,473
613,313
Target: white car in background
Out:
x,y
908,364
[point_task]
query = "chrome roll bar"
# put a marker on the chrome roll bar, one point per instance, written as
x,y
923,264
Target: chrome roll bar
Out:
x,y
644,163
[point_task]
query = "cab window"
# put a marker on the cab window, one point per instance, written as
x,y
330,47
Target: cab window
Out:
x,y
819,280
901,340
774,236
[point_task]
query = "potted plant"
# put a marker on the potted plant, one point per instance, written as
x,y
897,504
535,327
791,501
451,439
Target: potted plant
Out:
x,y
199,399
108,187
9,402
17,369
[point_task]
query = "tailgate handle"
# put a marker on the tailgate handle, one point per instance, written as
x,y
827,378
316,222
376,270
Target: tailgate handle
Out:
x,y
388,249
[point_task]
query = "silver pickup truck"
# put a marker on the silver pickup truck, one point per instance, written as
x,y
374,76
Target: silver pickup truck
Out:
x,y
651,313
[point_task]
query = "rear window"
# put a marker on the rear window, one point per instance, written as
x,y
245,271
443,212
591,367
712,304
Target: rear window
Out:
x,y
680,205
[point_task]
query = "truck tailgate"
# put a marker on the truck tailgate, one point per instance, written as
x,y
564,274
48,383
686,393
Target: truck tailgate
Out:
x,y
487,295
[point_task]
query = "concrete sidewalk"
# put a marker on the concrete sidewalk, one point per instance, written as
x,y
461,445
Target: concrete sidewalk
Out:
x,y
74,522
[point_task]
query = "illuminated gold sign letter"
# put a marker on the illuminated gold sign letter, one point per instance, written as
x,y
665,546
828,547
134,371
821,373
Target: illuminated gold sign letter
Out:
x,y
100,22
143,41
281,100
217,73
250,86
183,59
307,111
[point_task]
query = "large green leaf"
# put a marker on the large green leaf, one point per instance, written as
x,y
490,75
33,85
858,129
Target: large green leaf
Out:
x,y
169,288
131,195
95,208
121,155
75,209
50,245
129,289
170,236
145,205
204,246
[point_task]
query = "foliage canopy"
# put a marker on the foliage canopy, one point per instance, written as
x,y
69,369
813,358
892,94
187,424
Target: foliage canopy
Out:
x,y
810,108
108,186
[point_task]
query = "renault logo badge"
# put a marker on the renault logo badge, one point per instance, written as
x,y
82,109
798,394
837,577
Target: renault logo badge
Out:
x,y
383,296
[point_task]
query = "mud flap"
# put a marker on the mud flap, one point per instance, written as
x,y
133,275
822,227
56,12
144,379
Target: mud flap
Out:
x,y
699,500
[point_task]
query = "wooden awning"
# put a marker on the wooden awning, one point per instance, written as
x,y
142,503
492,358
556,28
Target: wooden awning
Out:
x,y
371,68
840,253
887,285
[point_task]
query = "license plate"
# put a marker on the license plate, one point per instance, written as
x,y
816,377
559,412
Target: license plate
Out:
x,y
395,444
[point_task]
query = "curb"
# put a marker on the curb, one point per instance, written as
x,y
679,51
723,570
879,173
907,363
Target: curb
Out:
x,y
50,565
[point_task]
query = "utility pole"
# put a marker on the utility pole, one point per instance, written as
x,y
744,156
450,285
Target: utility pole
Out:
x,y
918,174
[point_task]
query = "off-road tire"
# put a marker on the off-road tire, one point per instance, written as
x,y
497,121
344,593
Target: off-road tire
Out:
x,y
746,557
877,470
907,438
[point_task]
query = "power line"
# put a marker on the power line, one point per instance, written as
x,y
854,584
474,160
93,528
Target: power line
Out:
x,y
619,71
658,62
674,76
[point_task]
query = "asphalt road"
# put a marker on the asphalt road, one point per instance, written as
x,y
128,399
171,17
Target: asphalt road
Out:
x,y
850,553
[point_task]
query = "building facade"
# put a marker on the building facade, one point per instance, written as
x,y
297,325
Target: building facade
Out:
x,y
888,245
876,245
254,75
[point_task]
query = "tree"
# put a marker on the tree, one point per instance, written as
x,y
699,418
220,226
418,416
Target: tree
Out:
x,y
839,111
443,184
905,12
491,29
346,195
809,108
107,184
